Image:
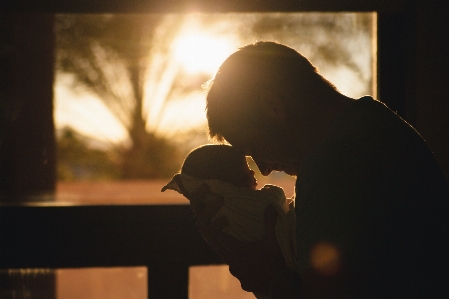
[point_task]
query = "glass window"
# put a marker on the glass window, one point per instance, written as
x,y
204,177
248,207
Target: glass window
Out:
x,y
128,99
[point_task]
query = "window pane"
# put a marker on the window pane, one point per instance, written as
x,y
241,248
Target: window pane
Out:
x,y
128,99
102,283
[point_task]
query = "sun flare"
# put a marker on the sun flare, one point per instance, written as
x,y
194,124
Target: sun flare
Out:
x,y
202,52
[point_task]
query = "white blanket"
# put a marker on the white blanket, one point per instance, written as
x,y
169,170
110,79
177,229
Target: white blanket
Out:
x,y
245,211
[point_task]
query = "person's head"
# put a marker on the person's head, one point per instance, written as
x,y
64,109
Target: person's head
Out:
x,y
257,98
219,162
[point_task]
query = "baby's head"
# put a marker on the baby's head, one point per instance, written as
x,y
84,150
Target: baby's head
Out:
x,y
219,162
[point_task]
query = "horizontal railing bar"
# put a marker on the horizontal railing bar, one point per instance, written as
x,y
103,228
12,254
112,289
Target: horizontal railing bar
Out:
x,y
100,236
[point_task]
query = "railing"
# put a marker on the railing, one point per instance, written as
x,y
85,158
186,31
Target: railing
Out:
x,y
162,238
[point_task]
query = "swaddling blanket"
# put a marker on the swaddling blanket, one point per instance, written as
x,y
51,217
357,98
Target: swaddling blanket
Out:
x,y
245,211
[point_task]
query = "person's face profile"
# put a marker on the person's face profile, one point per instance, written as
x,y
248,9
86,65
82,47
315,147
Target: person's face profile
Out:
x,y
266,152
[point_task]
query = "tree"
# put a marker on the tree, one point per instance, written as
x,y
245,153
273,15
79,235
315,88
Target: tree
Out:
x,y
79,161
109,56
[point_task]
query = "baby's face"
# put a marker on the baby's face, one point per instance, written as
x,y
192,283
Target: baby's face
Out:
x,y
245,177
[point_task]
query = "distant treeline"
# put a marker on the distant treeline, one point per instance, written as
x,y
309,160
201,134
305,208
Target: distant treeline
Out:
x,y
81,158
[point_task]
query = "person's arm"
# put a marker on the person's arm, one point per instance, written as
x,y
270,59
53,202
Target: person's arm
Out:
x,y
204,212
259,267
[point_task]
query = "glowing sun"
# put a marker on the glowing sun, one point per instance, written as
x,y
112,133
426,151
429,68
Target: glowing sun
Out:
x,y
201,52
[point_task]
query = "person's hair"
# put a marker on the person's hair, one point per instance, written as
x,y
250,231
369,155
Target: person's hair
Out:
x,y
213,161
232,93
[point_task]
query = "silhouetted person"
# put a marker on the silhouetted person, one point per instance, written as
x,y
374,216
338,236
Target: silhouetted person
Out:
x,y
226,172
371,201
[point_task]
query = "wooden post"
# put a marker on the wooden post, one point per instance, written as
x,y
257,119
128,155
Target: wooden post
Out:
x,y
27,142
168,281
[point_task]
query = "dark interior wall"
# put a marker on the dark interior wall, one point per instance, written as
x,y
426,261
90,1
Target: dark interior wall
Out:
x,y
413,68
27,145
432,77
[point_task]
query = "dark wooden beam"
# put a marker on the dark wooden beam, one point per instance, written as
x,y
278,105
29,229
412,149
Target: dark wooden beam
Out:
x,y
159,6
100,236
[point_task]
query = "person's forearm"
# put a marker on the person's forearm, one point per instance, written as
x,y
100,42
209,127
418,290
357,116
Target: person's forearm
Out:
x,y
286,286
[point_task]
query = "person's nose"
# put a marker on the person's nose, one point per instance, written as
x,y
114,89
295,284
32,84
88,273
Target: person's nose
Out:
x,y
264,168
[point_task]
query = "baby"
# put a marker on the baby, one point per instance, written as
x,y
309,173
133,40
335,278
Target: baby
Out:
x,y
227,173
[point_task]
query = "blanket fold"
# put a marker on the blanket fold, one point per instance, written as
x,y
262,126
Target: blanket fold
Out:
x,y
245,211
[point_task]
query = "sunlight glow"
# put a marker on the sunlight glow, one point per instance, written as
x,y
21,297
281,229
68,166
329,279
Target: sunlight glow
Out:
x,y
196,49
182,115
83,111
200,52
187,50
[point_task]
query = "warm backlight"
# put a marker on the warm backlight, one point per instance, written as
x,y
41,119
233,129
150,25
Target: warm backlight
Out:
x,y
201,53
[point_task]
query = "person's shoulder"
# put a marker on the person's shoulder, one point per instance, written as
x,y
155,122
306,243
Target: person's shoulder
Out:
x,y
368,111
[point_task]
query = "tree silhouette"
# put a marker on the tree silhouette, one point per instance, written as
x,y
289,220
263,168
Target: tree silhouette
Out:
x,y
109,55
79,161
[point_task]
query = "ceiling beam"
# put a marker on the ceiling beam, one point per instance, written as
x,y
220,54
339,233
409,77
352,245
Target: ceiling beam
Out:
x,y
178,6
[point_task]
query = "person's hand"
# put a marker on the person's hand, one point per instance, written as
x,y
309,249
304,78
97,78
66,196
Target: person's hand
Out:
x,y
257,266
204,212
